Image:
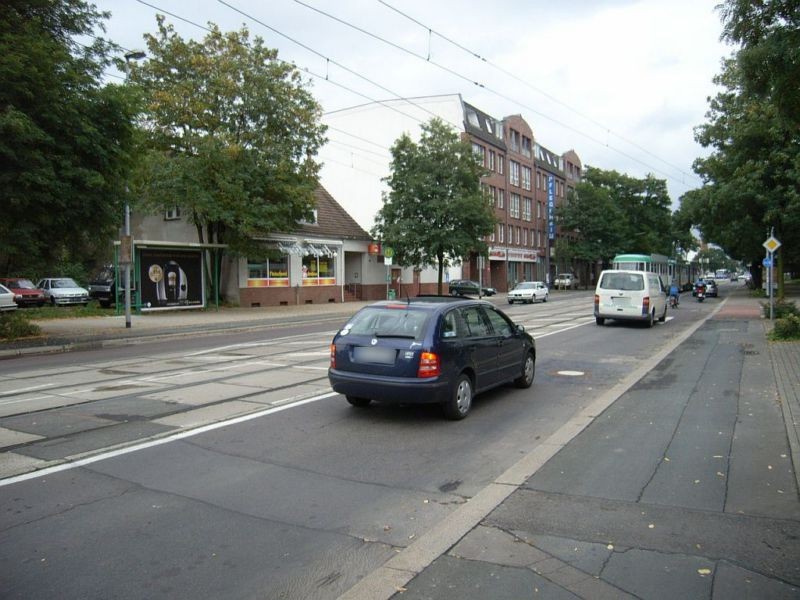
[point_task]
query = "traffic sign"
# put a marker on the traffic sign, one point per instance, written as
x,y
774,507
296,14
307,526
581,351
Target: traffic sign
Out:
x,y
388,251
767,262
771,244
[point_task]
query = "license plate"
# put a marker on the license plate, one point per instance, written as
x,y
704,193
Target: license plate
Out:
x,y
621,301
368,354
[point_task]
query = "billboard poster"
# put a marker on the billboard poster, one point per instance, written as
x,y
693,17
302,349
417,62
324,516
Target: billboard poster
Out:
x,y
171,278
551,207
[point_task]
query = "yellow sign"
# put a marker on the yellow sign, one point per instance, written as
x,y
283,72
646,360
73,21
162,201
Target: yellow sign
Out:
x,y
772,244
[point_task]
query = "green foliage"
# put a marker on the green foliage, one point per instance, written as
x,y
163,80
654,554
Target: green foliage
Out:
x,y
781,309
15,325
64,137
787,328
435,212
613,213
230,131
769,34
93,309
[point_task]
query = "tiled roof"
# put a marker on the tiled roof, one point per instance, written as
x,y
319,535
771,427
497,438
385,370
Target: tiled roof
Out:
x,y
333,220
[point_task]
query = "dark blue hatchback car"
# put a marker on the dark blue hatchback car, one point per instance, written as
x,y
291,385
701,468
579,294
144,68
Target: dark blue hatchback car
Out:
x,y
429,350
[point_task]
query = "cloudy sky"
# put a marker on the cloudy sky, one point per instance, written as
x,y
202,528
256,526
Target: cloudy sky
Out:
x,y
622,82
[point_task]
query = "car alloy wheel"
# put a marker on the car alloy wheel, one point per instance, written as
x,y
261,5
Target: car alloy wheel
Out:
x,y
461,399
528,370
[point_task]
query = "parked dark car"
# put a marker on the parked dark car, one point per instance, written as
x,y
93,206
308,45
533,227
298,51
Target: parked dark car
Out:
x,y
466,287
25,293
429,350
102,287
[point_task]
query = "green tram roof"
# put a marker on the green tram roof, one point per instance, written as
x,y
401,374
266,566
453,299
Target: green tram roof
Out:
x,y
633,258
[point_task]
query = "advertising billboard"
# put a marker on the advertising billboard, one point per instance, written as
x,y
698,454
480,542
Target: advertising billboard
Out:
x,y
171,279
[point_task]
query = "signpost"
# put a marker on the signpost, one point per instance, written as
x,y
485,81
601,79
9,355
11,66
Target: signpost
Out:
x,y
771,244
388,256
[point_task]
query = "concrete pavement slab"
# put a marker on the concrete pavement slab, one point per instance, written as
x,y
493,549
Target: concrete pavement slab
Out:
x,y
660,576
209,414
731,581
12,464
54,423
205,393
10,437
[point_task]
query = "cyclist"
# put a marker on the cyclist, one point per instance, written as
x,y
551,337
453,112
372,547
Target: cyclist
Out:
x,y
674,293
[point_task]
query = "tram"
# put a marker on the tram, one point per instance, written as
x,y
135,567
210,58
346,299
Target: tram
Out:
x,y
668,269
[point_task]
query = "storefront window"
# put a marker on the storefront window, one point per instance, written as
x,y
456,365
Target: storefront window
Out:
x,y
319,270
270,270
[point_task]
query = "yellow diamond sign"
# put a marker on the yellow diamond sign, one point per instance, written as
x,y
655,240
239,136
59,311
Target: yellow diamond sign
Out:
x,y
772,244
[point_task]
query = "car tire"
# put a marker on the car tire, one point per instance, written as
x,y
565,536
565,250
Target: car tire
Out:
x,y
599,320
545,298
453,293
511,302
663,317
528,371
359,402
460,402
52,301
652,318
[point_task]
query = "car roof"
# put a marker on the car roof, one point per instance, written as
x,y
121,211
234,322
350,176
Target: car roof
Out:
x,y
431,303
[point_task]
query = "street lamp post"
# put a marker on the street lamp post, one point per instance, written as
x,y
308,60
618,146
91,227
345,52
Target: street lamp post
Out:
x,y
129,56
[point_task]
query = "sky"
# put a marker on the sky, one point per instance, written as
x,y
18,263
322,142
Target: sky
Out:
x,y
622,82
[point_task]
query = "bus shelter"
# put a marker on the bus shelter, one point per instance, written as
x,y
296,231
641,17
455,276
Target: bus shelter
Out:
x,y
170,275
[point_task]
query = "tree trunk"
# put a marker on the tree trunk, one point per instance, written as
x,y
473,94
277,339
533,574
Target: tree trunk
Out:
x,y
440,259
755,272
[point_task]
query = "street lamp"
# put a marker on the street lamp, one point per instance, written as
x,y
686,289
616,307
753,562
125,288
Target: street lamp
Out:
x,y
129,56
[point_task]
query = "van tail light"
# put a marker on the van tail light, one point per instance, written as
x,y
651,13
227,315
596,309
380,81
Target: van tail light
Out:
x,y
429,365
646,305
596,300
333,356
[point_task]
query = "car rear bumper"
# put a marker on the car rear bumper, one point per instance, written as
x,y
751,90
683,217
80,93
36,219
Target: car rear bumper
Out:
x,y
628,313
399,390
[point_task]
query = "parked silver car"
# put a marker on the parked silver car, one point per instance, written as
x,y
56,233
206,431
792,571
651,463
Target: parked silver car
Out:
x,y
63,290
528,291
7,302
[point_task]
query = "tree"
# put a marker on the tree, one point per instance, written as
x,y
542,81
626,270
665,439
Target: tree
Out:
x,y
769,34
435,211
612,213
231,131
752,177
65,138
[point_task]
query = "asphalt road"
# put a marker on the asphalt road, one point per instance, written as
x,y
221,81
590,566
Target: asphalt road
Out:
x,y
300,502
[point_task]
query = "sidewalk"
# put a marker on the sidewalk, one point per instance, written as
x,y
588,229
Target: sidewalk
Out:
x,y
684,487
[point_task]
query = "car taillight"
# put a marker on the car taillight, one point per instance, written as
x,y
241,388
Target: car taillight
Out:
x,y
333,356
597,300
646,305
428,365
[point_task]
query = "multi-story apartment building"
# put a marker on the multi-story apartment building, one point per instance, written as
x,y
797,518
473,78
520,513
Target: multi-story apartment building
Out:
x,y
526,183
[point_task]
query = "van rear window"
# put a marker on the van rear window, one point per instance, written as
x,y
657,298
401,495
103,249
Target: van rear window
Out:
x,y
632,282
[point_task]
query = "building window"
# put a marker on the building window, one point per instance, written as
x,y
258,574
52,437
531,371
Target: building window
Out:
x,y
173,213
270,270
501,198
514,205
500,230
513,172
538,180
510,234
526,208
492,157
500,164
518,234
480,153
492,195
524,237
319,270
526,178
514,140
526,146
312,220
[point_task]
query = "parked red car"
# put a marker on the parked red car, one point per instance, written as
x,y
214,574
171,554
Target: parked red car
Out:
x,y
25,293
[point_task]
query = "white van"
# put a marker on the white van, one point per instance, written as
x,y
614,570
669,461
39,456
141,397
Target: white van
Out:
x,y
633,295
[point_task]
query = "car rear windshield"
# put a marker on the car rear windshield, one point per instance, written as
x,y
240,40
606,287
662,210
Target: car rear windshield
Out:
x,y
401,322
525,286
633,282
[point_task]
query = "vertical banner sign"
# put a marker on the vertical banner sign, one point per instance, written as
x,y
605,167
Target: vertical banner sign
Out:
x,y
551,207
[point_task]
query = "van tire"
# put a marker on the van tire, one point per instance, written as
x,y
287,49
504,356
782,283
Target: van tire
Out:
x,y
663,317
599,320
652,318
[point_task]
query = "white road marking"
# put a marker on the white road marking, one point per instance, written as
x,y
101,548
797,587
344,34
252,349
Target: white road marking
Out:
x,y
166,440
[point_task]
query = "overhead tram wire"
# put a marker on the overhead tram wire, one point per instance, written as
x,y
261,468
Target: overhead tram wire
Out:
x,y
305,69
336,63
488,89
534,88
